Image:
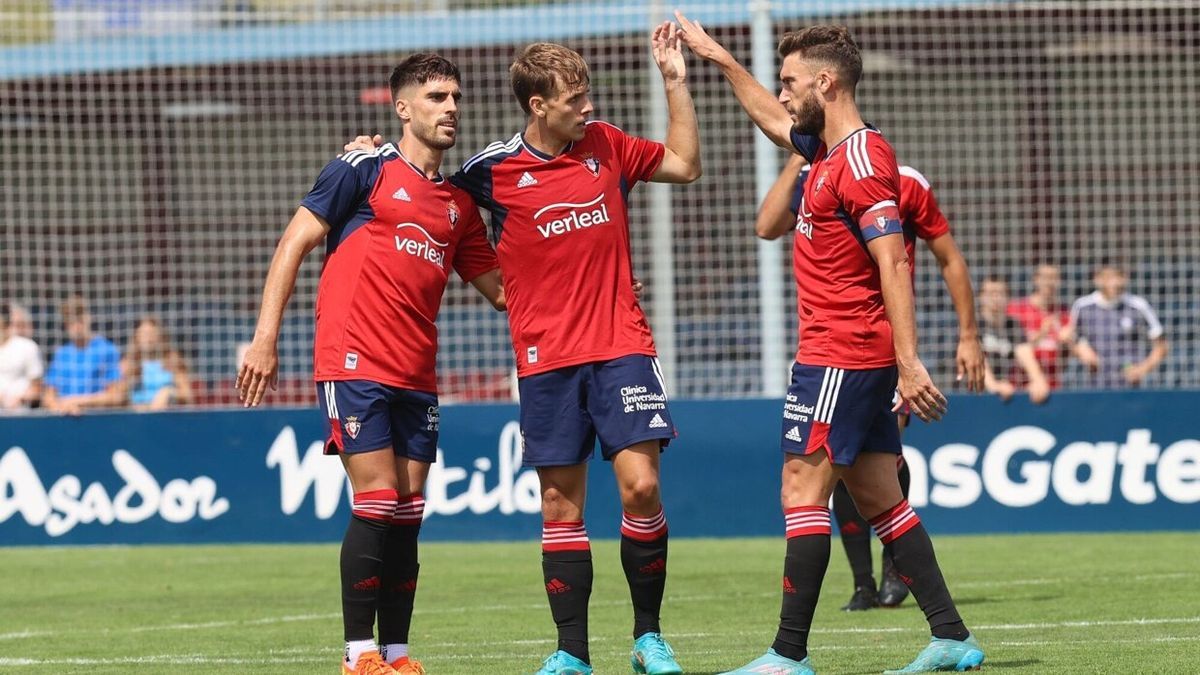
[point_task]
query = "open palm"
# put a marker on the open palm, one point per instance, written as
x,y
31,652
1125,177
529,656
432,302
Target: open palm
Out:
x,y
667,52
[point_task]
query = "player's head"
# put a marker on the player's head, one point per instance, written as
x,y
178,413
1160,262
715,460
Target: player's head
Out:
x,y
77,320
552,84
1046,280
425,91
821,64
993,296
1110,280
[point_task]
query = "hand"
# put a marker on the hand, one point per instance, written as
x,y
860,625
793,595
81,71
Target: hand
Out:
x,y
364,143
1089,358
260,367
970,363
918,390
692,34
667,54
66,406
1005,390
638,287
1134,374
1039,391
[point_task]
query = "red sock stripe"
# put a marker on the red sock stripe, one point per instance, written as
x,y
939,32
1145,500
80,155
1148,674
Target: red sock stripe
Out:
x,y
375,504
568,535
802,521
409,511
894,522
644,529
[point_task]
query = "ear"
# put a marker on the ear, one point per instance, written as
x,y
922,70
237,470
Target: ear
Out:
x,y
402,110
825,80
537,106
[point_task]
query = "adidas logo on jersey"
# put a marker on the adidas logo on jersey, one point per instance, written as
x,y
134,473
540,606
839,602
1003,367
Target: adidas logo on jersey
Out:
x,y
527,179
657,422
402,195
793,434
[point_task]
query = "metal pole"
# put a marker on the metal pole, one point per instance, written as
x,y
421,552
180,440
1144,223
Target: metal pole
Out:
x,y
772,317
662,256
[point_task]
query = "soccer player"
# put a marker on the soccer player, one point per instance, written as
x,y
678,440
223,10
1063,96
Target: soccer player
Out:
x,y
921,218
858,341
393,228
556,194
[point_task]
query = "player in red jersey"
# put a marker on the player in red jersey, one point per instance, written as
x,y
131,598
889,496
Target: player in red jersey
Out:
x,y
556,194
858,341
920,218
585,357
393,229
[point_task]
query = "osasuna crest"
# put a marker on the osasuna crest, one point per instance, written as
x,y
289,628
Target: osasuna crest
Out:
x,y
353,426
592,165
452,213
881,223
820,182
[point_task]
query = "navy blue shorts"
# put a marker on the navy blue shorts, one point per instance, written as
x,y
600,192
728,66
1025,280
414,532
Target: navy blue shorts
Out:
x,y
844,412
622,402
362,415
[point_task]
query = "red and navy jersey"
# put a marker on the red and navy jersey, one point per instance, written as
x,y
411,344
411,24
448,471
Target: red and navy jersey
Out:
x,y
561,229
920,215
851,197
394,233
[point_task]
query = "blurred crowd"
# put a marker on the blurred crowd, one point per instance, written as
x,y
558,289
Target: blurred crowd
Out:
x,y
1115,335
88,371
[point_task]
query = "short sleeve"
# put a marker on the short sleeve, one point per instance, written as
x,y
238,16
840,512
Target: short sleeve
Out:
x,y
798,192
1154,328
109,365
33,362
639,157
337,194
919,206
806,145
475,177
474,255
871,193
55,377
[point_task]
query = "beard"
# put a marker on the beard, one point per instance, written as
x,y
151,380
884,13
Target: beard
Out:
x,y
810,117
434,137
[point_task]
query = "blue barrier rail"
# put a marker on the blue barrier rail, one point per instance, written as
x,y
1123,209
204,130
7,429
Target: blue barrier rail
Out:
x,y
1083,462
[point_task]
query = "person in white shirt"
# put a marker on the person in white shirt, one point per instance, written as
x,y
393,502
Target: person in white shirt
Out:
x,y
20,363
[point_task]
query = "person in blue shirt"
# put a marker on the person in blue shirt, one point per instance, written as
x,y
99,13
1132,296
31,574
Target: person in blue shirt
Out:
x,y
86,371
155,373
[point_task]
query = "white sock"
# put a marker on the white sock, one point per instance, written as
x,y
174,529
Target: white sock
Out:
x,y
355,648
393,651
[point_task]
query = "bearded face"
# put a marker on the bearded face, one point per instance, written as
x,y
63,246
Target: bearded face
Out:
x,y
808,114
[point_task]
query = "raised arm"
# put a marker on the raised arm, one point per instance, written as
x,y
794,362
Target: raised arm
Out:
x,y
261,365
681,160
775,215
762,106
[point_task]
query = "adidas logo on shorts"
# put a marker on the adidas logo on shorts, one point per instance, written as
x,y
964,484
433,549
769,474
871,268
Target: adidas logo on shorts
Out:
x,y
793,434
527,179
657,422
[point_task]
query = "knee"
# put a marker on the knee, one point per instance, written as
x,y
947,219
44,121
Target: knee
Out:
x,y
641,494
556,506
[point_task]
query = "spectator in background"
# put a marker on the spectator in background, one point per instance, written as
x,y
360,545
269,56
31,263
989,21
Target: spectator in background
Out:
x,y
85,372
20,364
156,376
1044,320
1010,357
20,322
1116,334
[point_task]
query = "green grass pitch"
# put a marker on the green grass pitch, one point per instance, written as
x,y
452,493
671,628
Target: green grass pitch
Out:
x,y
1114,603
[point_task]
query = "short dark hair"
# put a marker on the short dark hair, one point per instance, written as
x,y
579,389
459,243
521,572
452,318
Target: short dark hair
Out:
x,y
419,69
831,44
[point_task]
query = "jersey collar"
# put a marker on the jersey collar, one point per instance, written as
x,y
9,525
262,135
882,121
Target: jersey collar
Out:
x,y
416,169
